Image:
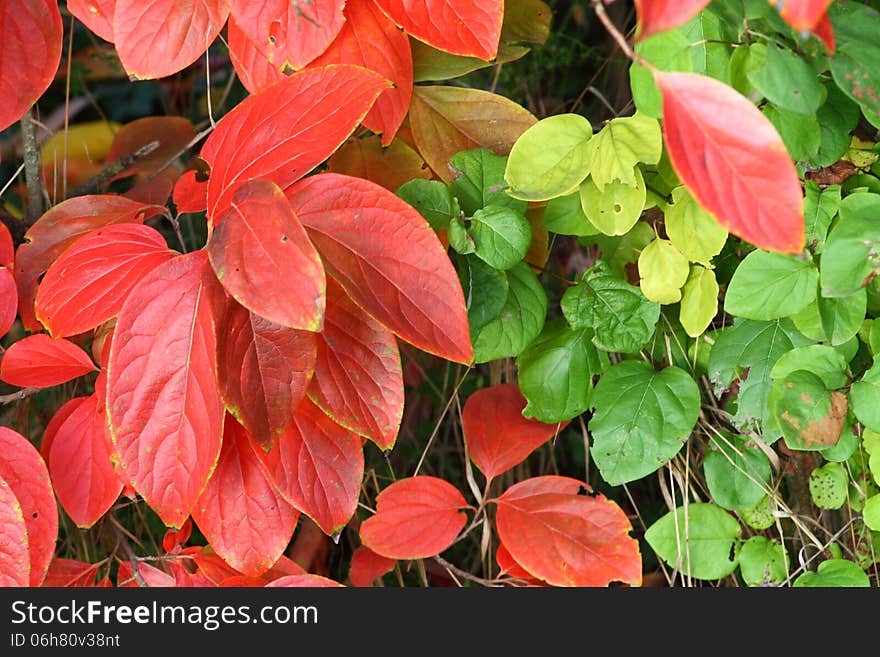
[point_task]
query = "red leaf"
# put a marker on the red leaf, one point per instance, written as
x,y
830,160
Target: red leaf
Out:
x,y
732,160
660,15
190,194
210,565
60,227
285,131
511,568
7,248
367,566
23,469
70,573
264,370
152,576
302,581
824,31
155,38
31,32
318,467
38,361
175,539
171,133
265,260
56,422
461,27
388,259
85,480
241,514
242,581
358,378
15,563
97,15
282,568
498,437
8,300
88,284
288,35
567,538
370,40
254,70
415,518
804,14
166,417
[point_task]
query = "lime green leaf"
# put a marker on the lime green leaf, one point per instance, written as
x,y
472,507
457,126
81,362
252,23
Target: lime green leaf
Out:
x,y
565,216
835,573
642,419
747,60
485,290
699,300
825,362
763,562
770,285
620,146
852,250
820,207
865,396
623,250
663,270
693,231
828,486
759,516
432,199
697,540
459,238
478,181
832,320
615,209
501,236
550,158
789,82
737,472
871,513
809,415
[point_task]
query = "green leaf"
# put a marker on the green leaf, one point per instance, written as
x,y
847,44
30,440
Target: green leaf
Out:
x,y
550,158
699,300
623,320
693,231
825,362
770,285
616,209
835,573
755,346
837,118
737,472
852,250
620,146
519,322
846,446
871,513
855,65
834,320
820,208
663,271
478,181
697,540
809,415
459,238
565,216
747,60
501,236
556,373
620,251
865,397
485,290
828,486
789,82
763,562
801,134
642,419
432,199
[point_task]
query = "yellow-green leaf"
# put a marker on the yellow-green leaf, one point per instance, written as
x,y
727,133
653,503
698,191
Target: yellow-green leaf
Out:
x,y
621,145
663,270
615,209
699,300
694,232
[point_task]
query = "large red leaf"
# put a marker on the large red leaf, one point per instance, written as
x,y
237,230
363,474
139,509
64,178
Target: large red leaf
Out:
x,y
88,284
30,31
155,38
23,469
15,562
250,61
39,361
730,157
240,512
659,15
70,573
302,581
367,566
461,27
85,481
97,15
415,518
264,370
265,260
498,437
60,227
369,39
388,259
60,417
804,14
8,300
318,467
286,130
152,576
559,533
166,417
358,378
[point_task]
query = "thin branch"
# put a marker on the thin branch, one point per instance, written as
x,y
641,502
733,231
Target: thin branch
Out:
x,y
24,393
31,168
110,171
618,37
463,574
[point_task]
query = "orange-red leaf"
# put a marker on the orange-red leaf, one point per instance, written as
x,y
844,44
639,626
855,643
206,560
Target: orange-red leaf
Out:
x,y
172,134
317,466
60,227
8,300
38,361
824,31
155,38
175,539
190,194
23,469
15,563
70,573
370,40
166,417
265,260
56,422
302,581
80,463
152,576
286,130
803,14
415,518
7,248
390,262
251,64
461,27
97,15
358,378
367,566
660,15
88,284
730,157
557,532
30,31
264,371
240,512
498,437
508,566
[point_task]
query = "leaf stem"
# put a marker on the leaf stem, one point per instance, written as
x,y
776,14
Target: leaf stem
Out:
x,y
626,49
